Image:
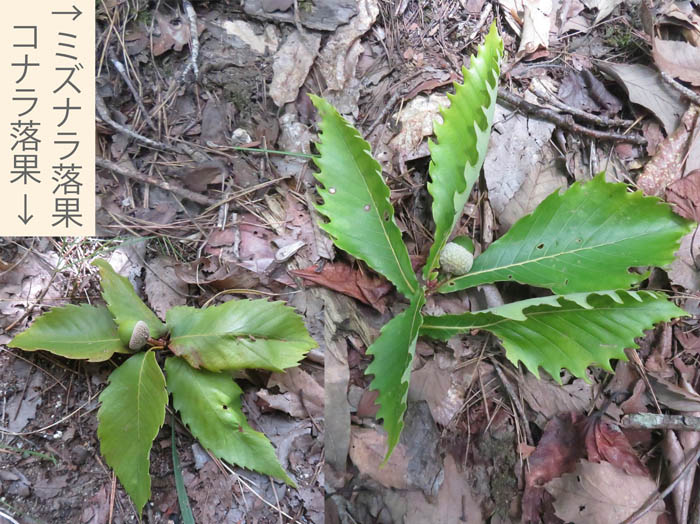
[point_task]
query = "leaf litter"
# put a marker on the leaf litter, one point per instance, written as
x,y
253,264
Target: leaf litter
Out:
x,y
373,55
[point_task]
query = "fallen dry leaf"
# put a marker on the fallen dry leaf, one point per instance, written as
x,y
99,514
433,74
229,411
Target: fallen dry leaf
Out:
x,y
685,268
301,394
515,148
416,122
667,164
545,177
536,23
291,66
549,398
678,59
604,7
343,278
164,288
174,33
646,88
338,59
607,443
367,450
603,494
684,195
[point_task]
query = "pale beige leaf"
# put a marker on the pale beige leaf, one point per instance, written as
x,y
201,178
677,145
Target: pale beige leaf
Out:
x,y
678,59
646,88
603,494
291,66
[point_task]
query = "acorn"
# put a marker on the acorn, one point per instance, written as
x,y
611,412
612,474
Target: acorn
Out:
x,y
455,259
134,334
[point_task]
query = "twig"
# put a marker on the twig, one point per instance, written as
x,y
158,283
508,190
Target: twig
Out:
x,y
177,190
656,497
485,12
194,42
564,121
104,115
385,110
656,421
675,84
122,72
9,519
594,119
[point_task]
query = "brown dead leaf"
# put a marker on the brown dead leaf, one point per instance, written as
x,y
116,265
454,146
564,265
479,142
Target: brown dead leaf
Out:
x,y
607,443
355,283
678,59
549,398
367,450
684,195
603,494
667,164
199,177
164,288
672,396
646,88
291,66
173,33
338,59
218,273
685,268
302,395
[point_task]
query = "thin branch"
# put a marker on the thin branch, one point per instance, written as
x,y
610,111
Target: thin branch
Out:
x,y
656,421
564,121
175,189
688,93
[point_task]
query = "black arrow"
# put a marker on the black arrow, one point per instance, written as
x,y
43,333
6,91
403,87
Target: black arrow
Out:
x,y
25,219
76,12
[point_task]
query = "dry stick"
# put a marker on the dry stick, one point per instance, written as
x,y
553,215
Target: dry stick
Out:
x,y
564,121
656,497
688,93
122,72
656,421
194,42
594,119
180,191
104,115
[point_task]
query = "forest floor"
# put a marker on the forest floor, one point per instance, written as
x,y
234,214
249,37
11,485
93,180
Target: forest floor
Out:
x,y
196,202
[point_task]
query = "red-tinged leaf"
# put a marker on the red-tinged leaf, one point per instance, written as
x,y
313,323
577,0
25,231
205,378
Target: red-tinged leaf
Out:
x,y
667,164
684,194
343,278
557,452
607,443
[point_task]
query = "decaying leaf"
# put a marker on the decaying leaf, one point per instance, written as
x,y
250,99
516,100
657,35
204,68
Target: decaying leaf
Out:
x,y
338,58
546,175
667,164
292,64
514,150
603,494
345,279
678,59
604,7
163,287
684,194
646,88
536,24
173,33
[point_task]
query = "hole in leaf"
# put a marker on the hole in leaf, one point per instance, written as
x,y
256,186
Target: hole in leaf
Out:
x,y
579,240
386,216
540,246
225,406
367,207
331,190
510,277
581,508
566,282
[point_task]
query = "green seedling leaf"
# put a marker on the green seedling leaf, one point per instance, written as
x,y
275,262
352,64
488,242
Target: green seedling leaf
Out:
x,y
391,366
462,139
210,405
132,412
356,201
239,334
584,239
124,303
569,331
79,332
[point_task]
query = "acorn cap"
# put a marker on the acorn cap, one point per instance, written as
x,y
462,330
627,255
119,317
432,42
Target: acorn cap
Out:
x,y
455,259
139,336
